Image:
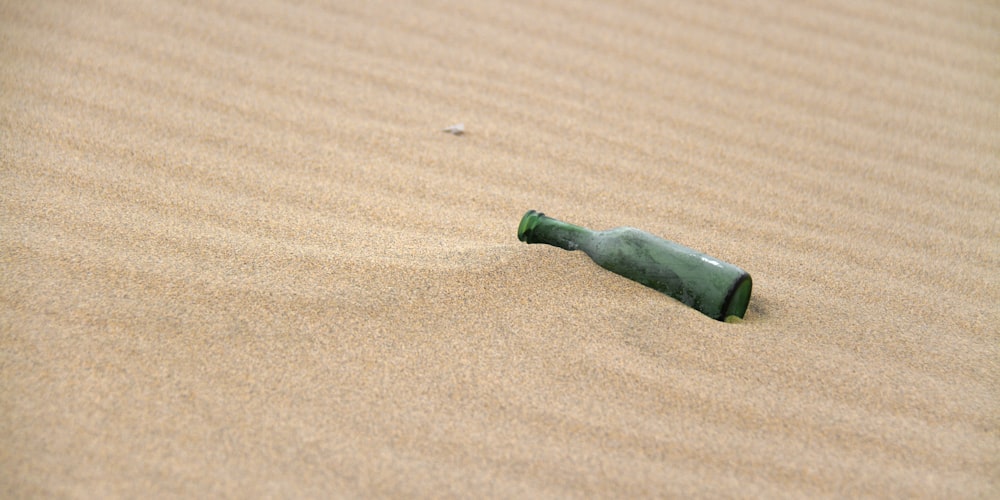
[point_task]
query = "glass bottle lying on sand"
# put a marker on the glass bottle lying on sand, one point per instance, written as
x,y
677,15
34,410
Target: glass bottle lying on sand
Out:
x,y
718,289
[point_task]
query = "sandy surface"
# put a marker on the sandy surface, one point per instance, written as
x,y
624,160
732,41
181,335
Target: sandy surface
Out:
x,y
239,257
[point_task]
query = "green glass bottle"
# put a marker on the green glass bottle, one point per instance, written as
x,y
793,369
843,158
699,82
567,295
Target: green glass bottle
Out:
x,y
719,290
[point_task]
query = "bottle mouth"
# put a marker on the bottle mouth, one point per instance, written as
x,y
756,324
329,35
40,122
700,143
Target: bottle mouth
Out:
x,y
528,223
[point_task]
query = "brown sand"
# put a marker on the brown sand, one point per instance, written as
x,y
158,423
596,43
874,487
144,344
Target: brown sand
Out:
x,y
240,257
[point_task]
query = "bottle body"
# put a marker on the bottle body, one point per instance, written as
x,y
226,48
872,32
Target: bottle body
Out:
x,y
717,289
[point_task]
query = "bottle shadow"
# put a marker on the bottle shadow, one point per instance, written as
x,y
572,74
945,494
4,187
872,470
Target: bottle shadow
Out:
x,y
759,307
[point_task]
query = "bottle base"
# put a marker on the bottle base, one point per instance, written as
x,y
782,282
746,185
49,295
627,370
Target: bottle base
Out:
x,y
739,300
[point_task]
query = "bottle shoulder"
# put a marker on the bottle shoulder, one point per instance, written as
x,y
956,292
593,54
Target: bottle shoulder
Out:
x,y
617,240
625,234
631,240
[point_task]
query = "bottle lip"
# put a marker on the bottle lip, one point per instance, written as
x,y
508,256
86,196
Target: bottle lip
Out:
x,y
528,223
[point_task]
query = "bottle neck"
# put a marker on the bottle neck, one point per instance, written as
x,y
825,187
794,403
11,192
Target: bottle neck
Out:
x,y
538,228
